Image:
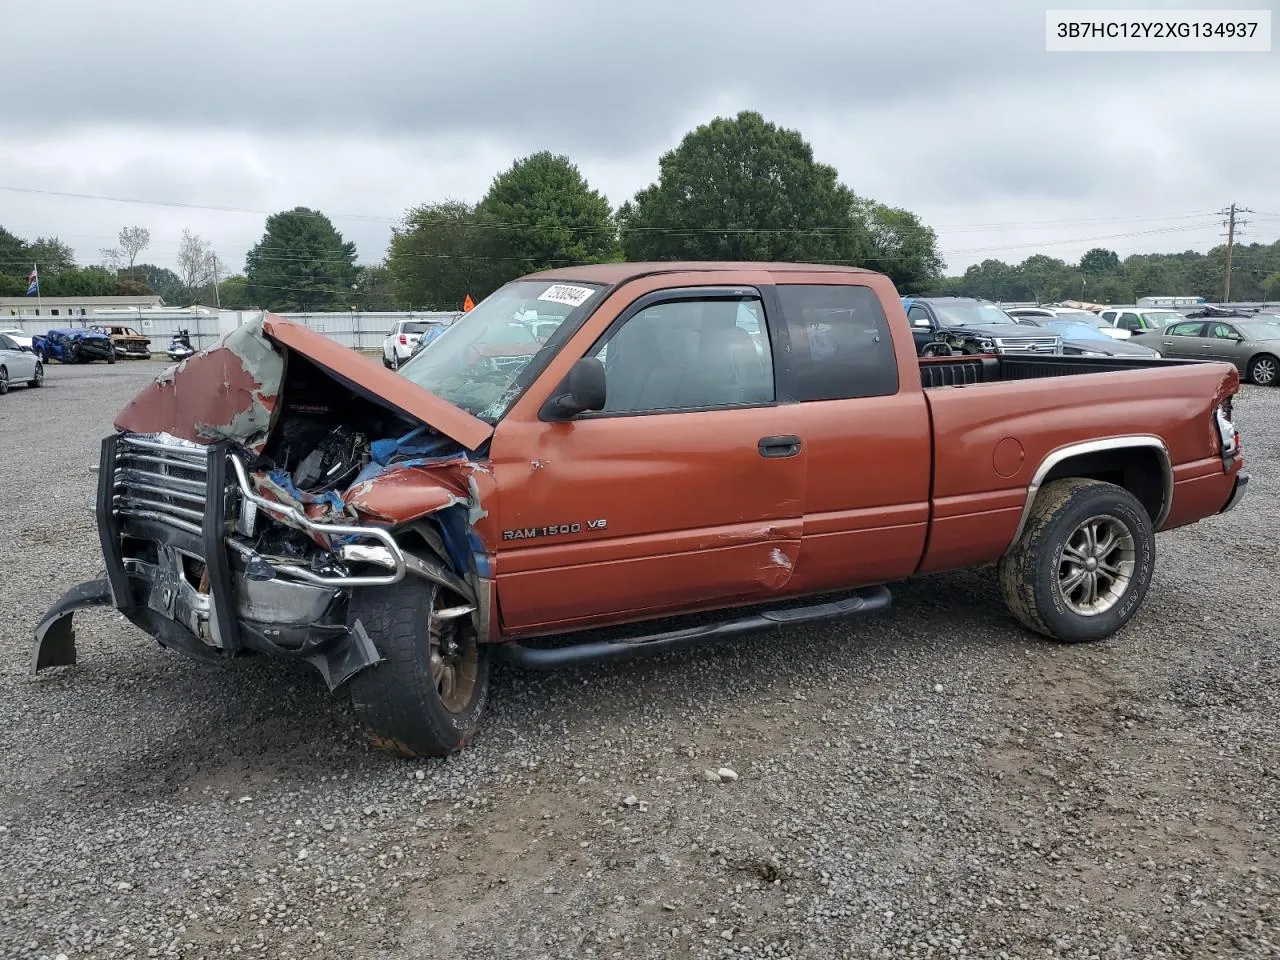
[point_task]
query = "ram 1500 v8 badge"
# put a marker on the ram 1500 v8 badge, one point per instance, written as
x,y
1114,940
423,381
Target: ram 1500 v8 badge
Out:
x,y
758,440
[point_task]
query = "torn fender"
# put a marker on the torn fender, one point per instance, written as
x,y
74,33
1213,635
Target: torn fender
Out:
x,y
404,495
227,392
231,390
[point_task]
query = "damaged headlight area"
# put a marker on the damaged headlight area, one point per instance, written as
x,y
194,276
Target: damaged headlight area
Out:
x,y
255,544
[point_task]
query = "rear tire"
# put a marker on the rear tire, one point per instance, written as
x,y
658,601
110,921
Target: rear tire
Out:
x,y
39,377
4,381
111,355
1263,370
1083,564
427,695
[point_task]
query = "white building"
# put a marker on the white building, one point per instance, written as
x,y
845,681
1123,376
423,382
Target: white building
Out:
x,y
62,307
1170,301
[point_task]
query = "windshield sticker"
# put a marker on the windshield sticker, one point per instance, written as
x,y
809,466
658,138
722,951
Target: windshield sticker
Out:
x,y
565,293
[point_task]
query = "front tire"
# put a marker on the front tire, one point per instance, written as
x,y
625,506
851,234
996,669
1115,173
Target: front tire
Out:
x,y
38,381
427,695
1083,564
4,381
1263,370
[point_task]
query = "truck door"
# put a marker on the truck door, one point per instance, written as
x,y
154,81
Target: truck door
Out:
x,y
685,491
864,423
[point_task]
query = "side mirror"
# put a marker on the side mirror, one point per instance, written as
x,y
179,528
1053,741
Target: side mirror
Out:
x,y
582,390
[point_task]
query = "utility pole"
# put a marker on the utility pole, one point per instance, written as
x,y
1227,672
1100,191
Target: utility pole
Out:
x,y
217,294
1234,227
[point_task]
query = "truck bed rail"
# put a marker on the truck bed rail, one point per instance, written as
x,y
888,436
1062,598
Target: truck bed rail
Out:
x,y
988,368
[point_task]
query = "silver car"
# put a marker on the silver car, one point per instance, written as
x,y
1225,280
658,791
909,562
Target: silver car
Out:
x,y
1252,344
18,365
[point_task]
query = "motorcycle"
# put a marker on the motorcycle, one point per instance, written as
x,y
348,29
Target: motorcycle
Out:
x,y
180,346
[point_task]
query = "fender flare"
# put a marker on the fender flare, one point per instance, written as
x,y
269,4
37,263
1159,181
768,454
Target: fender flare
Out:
x,y
1106,445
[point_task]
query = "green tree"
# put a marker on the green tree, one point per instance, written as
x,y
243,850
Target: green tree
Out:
x,y
1044,276
904,248
541,213
301,263
80,282
994,280
233,293
1271,286
375,288
744,189
52,256
161,280
1099,262
437,256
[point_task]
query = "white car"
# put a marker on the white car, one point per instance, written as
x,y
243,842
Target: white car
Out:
x,y
1068,314
404,336
18,365
18,337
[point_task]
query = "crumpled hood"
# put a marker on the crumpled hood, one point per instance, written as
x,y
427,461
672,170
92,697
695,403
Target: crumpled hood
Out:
x,y
231,390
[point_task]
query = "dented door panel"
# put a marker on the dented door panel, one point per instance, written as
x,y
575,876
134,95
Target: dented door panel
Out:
x,y
657,512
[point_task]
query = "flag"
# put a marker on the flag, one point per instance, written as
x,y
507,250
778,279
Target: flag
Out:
x,y
467,304
33,282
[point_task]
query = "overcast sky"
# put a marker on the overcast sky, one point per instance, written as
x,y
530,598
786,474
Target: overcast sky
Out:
x,y
953,110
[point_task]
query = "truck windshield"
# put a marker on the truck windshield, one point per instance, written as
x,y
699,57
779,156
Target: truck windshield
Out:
x,y
476,363
971,314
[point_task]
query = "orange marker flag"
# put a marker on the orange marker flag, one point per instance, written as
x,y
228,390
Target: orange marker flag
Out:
x,y
467,304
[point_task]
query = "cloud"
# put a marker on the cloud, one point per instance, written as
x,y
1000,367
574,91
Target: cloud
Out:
x,y
953,111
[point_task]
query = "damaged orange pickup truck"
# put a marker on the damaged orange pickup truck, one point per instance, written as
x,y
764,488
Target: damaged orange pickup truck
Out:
x,y
593,453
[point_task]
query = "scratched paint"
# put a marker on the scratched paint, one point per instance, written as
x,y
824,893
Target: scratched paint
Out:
x,y
227,392
402,496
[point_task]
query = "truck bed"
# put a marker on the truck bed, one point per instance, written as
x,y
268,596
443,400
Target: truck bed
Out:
x,y
987,368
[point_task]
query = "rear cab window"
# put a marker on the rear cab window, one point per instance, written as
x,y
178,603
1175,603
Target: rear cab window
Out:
x,y
840,342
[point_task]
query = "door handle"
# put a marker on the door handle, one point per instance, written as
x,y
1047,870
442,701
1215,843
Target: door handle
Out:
x,y
777,447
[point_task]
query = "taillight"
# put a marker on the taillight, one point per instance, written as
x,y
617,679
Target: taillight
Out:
x,y
1228,435
404,341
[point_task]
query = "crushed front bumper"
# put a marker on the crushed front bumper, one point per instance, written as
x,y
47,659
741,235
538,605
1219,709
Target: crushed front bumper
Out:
x,y
175,522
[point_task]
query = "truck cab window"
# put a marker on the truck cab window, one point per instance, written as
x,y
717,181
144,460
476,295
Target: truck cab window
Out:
x,y
688,354
840,342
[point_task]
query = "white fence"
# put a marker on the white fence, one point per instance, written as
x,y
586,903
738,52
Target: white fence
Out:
x,y
357,329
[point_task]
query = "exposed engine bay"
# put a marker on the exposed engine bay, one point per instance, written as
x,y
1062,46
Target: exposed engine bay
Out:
x,y
253,501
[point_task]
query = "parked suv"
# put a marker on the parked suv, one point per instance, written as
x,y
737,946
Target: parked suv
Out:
x,y
942,325
404,337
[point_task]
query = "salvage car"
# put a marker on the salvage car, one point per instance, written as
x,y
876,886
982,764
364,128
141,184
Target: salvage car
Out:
x,y
1068,315
20,337
18,364
280,494
942,326
1088,340
74,346
127,342
399,345
1252,344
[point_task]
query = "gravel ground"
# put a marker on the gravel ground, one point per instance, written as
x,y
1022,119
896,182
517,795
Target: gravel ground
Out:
x,y
932,781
